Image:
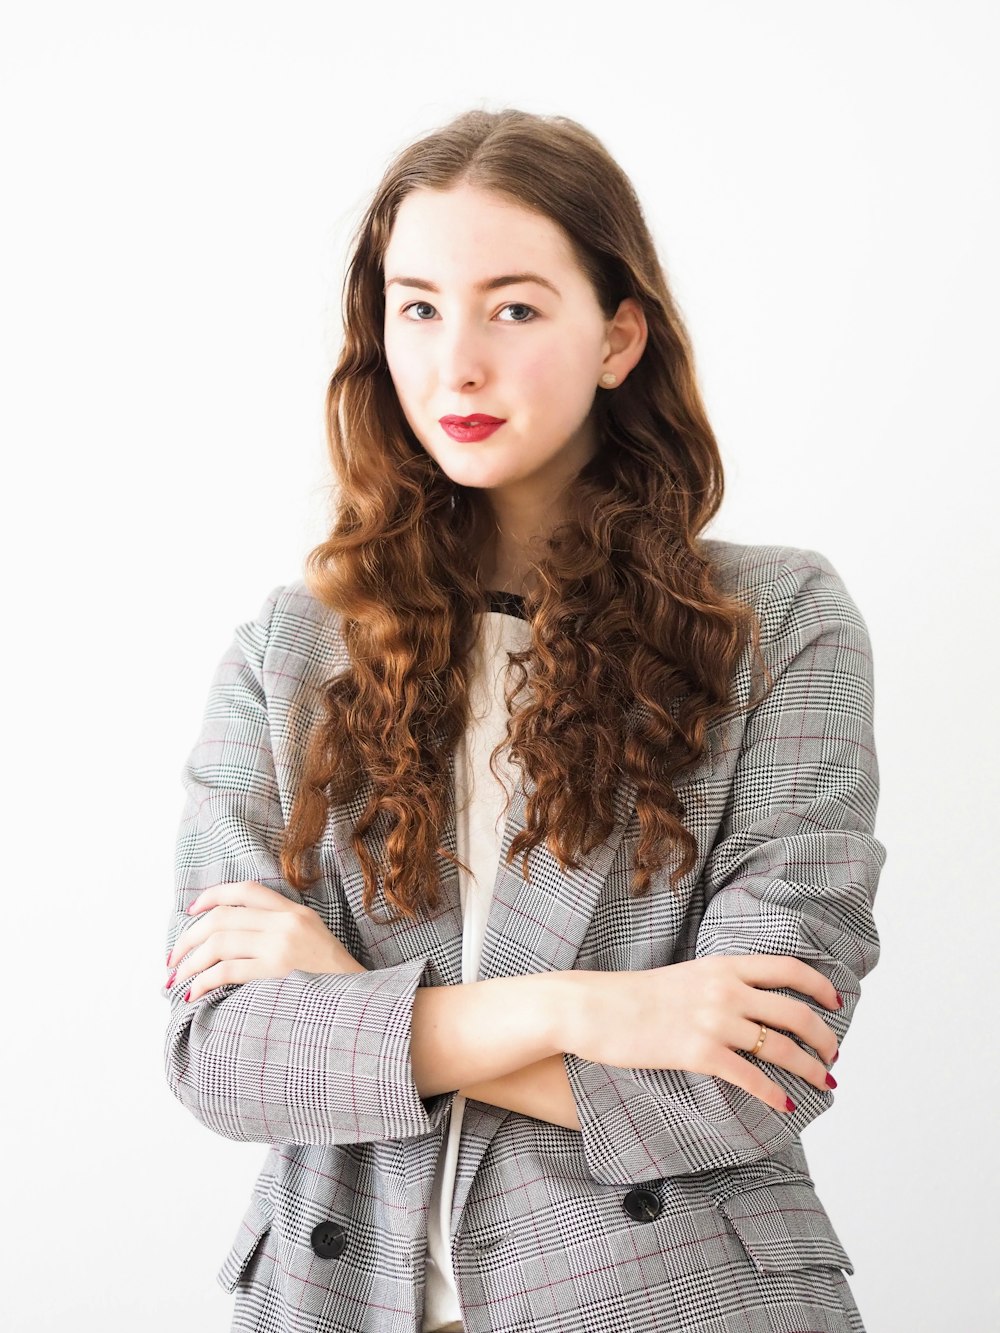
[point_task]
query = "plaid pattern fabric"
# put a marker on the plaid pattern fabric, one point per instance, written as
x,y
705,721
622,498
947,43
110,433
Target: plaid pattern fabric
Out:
x,y
683,1203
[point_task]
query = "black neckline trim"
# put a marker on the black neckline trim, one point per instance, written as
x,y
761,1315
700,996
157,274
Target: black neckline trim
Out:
x,y
507,603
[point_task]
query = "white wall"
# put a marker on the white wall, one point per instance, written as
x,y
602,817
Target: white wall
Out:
x,y
180,185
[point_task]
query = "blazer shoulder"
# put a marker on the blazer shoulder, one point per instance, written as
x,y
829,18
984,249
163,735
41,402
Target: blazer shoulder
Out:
x,y
781,583
297,607
295,637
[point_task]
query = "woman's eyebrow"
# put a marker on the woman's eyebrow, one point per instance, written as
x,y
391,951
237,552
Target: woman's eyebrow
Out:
x,y
487,285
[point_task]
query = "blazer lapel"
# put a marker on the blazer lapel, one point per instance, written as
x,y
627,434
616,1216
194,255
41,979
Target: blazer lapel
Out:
x,y
531,928
438,935
539,926
536,927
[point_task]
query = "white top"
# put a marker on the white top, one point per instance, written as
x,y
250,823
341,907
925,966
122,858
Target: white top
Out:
x,y
479,801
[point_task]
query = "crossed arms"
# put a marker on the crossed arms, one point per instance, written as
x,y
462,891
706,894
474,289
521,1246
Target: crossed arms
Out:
x,y
330,1058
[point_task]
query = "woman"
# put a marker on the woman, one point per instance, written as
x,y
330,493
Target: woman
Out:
x,y
530,977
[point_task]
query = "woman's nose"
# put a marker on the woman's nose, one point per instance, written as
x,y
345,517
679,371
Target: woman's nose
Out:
x,y
461,359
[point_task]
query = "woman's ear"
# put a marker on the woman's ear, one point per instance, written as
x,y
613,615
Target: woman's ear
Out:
x,y
626,338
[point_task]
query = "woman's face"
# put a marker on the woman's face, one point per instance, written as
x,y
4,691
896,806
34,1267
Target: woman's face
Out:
x,y
528,353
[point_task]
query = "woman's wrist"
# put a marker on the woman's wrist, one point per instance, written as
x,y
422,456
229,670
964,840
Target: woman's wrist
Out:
x,y
570,1009
541,1090
478,1031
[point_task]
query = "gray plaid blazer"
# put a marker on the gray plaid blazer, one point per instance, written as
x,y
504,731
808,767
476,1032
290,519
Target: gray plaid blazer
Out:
x,y
683,1204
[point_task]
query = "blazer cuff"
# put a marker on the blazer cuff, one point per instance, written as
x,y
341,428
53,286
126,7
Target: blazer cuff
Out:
x,y
649,1124
320,1058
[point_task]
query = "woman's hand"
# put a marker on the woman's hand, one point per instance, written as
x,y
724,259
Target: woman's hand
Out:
x,y
703,1016
247,930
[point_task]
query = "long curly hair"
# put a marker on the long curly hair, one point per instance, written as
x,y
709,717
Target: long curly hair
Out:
x,y
633,647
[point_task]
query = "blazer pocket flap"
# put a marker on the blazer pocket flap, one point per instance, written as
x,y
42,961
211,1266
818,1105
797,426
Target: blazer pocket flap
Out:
x,y
254,1223
783,1225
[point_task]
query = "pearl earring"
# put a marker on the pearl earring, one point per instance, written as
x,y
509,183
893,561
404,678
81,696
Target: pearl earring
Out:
x,y
609,379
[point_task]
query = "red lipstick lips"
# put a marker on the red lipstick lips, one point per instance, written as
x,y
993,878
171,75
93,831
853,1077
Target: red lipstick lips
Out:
x,y
474,427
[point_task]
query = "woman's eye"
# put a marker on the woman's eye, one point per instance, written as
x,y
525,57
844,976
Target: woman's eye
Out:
x,y
513,305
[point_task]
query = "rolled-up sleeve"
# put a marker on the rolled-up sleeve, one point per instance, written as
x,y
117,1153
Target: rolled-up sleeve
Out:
x,y
304,1058
794,870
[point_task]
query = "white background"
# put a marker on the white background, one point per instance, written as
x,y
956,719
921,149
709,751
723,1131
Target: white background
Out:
x,y
179,188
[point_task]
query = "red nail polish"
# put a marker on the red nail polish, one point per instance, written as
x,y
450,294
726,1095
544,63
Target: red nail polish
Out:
x,y
171,981
840,1002
789,1104
831,1082
187,995
836,1057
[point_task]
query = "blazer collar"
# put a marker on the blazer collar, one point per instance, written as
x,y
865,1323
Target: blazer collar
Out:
x,y
536,927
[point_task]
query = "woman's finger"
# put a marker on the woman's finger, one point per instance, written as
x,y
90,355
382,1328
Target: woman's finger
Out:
x,y
779,1049
218,947
211,922
222,974
780,969
734,1069
244,893
791,1016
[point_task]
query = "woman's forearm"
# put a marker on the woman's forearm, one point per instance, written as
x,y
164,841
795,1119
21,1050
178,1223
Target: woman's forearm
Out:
x,y
541,1090
482,1031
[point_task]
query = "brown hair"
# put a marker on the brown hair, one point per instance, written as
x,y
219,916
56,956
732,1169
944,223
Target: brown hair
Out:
x,y
633,647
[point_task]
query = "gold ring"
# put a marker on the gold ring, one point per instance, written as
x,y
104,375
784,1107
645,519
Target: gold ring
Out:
x,y
760,1039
